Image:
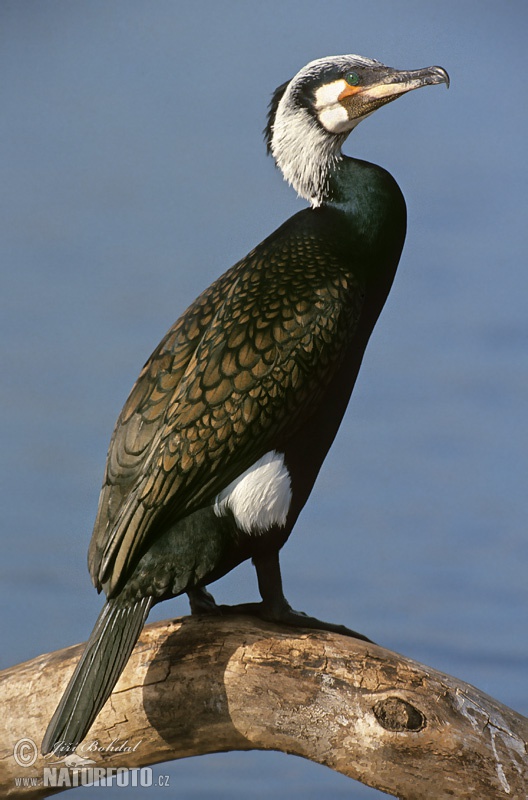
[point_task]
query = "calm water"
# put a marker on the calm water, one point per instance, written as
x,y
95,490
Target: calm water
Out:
x,y
132,174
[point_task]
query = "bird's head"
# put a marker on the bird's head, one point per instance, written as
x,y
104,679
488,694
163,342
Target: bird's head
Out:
x,y
311,115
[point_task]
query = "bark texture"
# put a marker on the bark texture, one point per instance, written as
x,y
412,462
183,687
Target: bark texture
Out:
x,y
202,685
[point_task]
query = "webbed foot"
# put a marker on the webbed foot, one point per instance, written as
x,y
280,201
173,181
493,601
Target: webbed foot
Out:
x,y
282,613
273,608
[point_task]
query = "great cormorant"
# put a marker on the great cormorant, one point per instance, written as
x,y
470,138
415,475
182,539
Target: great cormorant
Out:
x,y
222,437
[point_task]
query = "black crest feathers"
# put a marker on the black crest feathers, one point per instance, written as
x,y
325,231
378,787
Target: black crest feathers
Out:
x,y
272,112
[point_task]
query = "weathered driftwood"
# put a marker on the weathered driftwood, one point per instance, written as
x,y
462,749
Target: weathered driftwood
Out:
x,y
200,685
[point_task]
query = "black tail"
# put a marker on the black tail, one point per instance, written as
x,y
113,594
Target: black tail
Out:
x,y
107,651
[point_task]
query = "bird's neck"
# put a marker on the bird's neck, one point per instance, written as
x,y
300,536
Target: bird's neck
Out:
x,y
357,187
367,194
305,153
372,207
311,160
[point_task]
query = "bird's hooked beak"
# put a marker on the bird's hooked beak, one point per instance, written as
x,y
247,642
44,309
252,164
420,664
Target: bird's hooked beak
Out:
x,y
382,85
398,82
391,83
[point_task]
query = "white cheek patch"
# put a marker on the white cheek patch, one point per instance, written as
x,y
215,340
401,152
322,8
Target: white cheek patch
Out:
x,y
260,498
330,111
328,94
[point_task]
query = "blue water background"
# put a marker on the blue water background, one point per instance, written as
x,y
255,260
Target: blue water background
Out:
x,y
132,173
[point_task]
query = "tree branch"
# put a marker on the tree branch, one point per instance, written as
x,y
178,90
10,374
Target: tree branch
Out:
x,y
202,685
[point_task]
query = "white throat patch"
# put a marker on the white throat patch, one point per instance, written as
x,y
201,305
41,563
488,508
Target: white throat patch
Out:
x,y
304,151
331,112
260,498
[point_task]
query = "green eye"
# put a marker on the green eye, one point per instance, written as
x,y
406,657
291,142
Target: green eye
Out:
x,y
352,78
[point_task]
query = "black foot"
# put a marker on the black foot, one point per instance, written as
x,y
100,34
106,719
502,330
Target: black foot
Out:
x,y
202,602
285,615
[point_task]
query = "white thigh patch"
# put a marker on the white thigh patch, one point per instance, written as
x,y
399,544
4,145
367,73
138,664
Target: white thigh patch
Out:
x,y
259,498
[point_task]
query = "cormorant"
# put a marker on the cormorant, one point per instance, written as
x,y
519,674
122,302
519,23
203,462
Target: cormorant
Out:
x,y
221,439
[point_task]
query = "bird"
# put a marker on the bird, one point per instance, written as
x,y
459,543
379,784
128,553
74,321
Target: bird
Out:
x,y
221,439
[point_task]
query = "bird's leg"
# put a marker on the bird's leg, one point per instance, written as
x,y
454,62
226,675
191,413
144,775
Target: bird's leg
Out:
x,y
274,606
202,602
